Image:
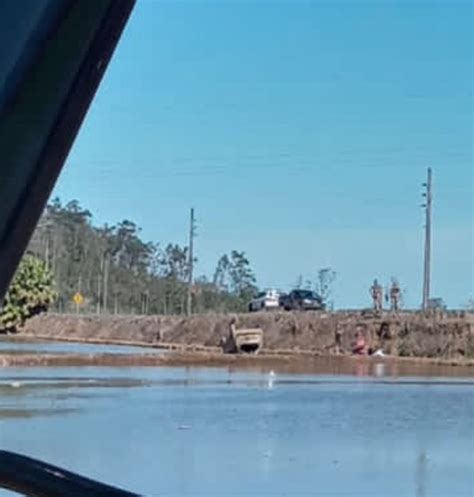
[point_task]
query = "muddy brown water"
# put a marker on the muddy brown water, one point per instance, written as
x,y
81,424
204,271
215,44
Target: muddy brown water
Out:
x,y
313,427
289,364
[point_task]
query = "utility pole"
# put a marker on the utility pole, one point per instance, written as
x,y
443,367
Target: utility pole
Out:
x,y
144,302
99,280
46,250
428,194
79,292
53,250
192,234
105,286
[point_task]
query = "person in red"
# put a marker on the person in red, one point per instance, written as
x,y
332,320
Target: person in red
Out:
x,y
359,346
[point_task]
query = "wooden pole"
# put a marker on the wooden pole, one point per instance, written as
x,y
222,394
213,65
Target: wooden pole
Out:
x,y
191,263
427,253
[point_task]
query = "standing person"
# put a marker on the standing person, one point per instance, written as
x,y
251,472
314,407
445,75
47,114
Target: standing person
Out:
x,y
338,340
395,295
376,291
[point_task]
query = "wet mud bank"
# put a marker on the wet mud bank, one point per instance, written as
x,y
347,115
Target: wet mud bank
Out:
x,y
446,337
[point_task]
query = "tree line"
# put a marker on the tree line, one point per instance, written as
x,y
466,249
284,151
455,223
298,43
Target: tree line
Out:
x,y
118,272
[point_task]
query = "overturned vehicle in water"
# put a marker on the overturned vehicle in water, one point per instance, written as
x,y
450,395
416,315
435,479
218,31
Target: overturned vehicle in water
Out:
x,y
242,340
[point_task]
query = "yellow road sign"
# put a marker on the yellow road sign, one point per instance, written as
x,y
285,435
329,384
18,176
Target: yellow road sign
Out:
x,y
78,298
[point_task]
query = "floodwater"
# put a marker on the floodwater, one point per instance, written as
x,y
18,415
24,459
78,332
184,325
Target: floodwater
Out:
x,y
216,432
45,347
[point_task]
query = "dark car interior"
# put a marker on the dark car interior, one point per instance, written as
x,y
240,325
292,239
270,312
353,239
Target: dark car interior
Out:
x,y
53,54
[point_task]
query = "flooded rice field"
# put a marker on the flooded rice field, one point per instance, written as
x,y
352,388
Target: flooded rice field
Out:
x,y
47,347
222,432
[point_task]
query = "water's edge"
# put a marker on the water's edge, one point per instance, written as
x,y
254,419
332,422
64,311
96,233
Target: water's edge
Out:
x,y
278,361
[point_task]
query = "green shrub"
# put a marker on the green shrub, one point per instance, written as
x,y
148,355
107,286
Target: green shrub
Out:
x,y
31,292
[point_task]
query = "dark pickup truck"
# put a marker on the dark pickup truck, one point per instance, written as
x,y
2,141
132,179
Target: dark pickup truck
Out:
x,y
302,300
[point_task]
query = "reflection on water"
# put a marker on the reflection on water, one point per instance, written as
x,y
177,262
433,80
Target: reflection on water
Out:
x,y
357,366
28,347
201,432
5,412
421,471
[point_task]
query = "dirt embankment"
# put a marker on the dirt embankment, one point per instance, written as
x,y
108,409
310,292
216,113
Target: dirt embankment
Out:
x,y
447,336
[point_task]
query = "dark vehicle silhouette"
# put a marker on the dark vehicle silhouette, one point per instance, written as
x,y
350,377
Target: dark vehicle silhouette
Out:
x,y
302,300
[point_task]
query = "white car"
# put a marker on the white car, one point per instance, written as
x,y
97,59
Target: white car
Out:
x,y
265,301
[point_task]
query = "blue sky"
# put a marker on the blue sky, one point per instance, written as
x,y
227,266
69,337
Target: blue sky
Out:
x,y
299,131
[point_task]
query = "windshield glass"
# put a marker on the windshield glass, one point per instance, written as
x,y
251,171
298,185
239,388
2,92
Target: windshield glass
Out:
x,y
307,295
